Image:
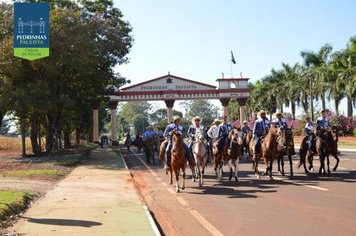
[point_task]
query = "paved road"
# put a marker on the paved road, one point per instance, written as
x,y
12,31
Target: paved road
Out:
x,y
299,205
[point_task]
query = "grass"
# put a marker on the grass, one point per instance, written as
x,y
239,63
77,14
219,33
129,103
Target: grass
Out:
x,y
29,173
70,162
14,144
12,202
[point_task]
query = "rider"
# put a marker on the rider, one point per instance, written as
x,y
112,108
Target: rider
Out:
x,y
308,128
149,133
260,129
280,121
192,130
128,138
213,133
245,128
223,133
323,121
168,134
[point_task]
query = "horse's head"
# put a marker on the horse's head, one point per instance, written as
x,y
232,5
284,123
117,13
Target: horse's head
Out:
x,y
236,135
176,140
200,135
285,135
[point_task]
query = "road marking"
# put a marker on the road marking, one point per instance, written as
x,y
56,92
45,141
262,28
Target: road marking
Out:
x,y
158,179
182,201
164,184
301,184
296,183
205,223
144,163
151,220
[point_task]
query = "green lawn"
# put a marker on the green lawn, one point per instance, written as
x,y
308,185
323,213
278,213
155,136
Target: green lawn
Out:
x,y
12,202
26,173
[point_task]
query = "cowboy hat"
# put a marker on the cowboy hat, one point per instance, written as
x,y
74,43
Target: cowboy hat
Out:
x,y
196,118
262,112
245,122
176,118
278,113
149,127
217,122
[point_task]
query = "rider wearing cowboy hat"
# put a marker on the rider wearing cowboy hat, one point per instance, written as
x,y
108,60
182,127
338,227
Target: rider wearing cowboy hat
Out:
x,y
323,121
245,128
168,134
260,129
192,130
223,133
279,120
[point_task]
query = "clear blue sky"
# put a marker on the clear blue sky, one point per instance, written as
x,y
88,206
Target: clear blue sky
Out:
x,y
193,38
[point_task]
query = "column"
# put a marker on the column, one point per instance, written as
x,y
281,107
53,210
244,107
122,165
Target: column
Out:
x,y
225,104
96,125
242,104
169,104
113,106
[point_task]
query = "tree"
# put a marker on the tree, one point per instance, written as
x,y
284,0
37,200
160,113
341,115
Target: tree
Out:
x,y
202,108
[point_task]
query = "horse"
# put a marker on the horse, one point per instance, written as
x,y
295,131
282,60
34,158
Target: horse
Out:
x,y
285,147
149,145
333,138
200,153
178,160
138,143
245,144
320,146
269,150
128,143
231,155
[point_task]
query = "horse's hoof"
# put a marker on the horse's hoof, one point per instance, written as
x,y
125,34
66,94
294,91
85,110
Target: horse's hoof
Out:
x,y
334,169
177,190
271,178
236,179
183,188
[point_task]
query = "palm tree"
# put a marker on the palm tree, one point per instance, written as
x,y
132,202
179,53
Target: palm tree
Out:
x,y
317,65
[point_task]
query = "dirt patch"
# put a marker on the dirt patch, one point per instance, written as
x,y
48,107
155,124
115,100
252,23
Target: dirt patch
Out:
x,y
37,184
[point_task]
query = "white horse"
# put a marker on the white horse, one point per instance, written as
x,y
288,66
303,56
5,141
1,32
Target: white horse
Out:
x,y
200,153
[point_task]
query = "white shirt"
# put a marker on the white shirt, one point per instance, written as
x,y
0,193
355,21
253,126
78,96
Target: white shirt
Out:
x,y
213,131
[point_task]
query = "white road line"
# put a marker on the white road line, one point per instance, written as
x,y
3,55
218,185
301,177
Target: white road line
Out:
x,y
144,163
158,179
296,183
205,223
301,184
164,184
152,222
182,201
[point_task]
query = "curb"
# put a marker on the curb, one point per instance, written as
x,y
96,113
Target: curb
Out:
x,y
147,211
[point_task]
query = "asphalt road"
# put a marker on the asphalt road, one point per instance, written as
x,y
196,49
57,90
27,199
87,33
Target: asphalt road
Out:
x,y
298,205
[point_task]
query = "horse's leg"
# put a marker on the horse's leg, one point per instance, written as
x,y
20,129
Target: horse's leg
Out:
x,y
230,168
183,178
290,163
237,169
176,172
171,171
310,160
322,164
328,163
337,160
281,159
270,169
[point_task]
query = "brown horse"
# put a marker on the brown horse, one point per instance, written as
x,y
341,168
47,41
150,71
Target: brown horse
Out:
x,y
178,160
149,145
333,138
269,149
245,144
320,147
285,146
230,155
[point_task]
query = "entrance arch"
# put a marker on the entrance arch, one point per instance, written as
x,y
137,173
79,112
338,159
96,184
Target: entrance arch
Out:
x,y
169,88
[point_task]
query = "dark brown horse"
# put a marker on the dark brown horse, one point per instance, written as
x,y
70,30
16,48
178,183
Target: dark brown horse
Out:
x,y
269,149
230,155
245,144
149,145
325,138
285,147
320,147
178,160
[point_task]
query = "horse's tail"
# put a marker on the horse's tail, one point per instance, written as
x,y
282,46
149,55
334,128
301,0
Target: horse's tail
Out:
x,y
162,151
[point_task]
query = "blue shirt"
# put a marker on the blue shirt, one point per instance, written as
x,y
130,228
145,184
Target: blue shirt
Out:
x,y
280,122
192,130
148,133
224,130
309,128
322,122
261,126
245,129
168,132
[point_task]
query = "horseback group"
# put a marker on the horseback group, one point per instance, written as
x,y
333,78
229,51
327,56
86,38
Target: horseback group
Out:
x,y
321,140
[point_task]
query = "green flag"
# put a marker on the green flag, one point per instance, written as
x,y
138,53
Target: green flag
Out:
x,y
233,58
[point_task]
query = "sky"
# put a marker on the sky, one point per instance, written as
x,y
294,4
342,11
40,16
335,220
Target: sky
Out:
x,y
193,39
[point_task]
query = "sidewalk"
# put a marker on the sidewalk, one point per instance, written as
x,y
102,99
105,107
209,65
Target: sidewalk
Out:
x,y
95,199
